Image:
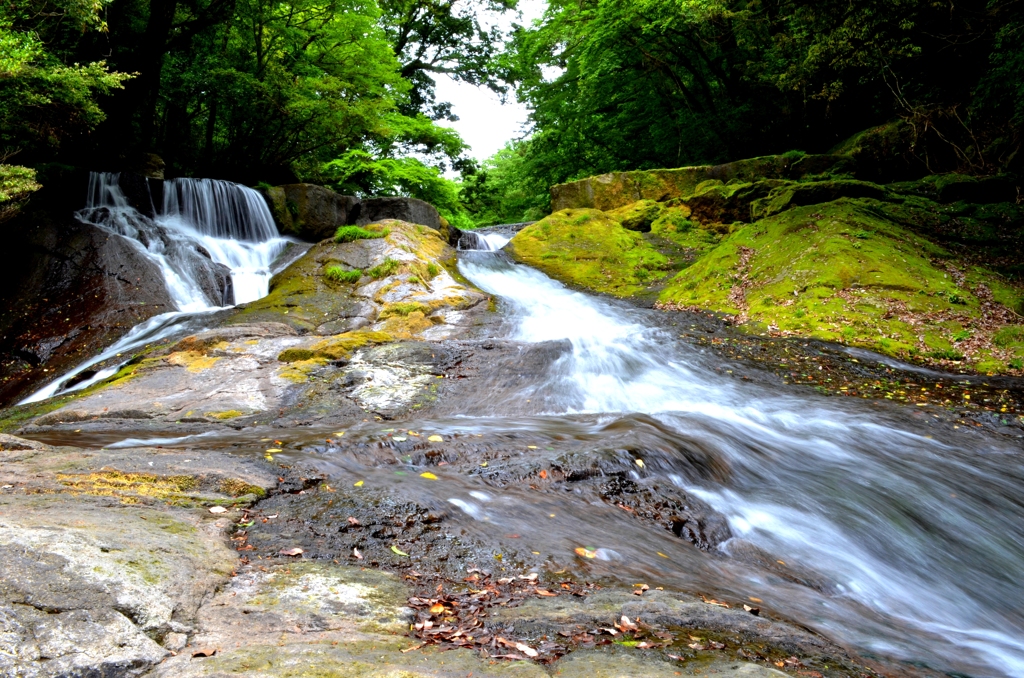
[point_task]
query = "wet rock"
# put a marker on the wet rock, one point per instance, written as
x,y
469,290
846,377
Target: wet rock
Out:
x,y
309,211
403,209
72,289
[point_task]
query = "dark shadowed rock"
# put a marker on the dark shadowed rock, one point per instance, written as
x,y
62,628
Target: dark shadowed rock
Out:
x,y
404,209
72,289
309,211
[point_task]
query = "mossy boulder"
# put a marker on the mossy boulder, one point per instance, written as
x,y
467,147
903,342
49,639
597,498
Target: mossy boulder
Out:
x,y
847,271
309,211
618,189
591,249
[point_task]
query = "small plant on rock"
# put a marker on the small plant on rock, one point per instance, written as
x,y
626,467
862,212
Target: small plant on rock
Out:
x,y
382,270
352,233
338,274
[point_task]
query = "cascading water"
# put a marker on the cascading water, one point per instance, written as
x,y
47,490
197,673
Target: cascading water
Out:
x,y
921,541
202,224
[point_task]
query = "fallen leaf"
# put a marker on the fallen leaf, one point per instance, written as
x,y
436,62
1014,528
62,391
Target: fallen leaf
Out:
x,y
546,593
428,475
529,577
752,610
359,483
435,439
414,647
543,474
586,553
531,447
639,462
401,553
353,521
208,652
274,449
527,650
626,625
356,553
291,552
401,439
218,509
436,608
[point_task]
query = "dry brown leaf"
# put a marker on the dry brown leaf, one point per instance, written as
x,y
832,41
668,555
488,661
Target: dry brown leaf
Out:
x,y
291,552
206,652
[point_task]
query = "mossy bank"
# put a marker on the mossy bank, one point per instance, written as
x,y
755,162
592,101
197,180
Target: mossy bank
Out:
x,y
924,270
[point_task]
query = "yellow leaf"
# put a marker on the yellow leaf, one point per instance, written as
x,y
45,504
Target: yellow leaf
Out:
x,y
359,483
274,449
436,439
401,553
436,608
428,475
339,433
531,447
639,462
586,553
662,554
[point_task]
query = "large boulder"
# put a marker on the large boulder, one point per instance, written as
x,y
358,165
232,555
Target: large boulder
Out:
x,y
403,209
309,211
72,289
617,189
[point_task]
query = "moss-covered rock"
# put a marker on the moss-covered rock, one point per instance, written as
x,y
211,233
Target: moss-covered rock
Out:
x,y
617,189
591,249
847,271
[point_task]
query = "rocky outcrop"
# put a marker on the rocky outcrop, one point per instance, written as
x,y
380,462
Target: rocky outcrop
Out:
x,y
71,290
309,211
411,210
314,213
618,189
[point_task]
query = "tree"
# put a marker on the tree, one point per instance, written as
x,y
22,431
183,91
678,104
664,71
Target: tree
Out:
x,y
443,36
43,100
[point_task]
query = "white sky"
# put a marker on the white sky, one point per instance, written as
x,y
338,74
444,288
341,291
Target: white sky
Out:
x,y
484,123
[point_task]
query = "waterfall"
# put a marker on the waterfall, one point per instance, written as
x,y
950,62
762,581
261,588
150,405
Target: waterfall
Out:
x,y
486,242
213,241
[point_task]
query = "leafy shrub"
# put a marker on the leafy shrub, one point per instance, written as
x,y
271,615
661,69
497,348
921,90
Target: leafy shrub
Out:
x,y
382,270
338,274
351,233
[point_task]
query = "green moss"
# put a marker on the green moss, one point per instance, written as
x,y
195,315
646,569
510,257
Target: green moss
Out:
x,y
382,270
1011,335
637,216
352,233
339,274
590,249
403,309
227,414
233,487
336,347
432,270
810,271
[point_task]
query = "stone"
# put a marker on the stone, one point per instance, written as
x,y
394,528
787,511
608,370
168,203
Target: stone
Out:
x,y
309,211
76,289
404,209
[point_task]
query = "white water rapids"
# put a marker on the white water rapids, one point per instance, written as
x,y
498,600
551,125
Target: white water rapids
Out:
x,y
922,539
229,222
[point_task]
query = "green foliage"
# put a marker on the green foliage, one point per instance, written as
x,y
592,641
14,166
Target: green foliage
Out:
x,y
946,354
433,270
666,83
505,189
382,270
351,233
339,274
16,182
43,100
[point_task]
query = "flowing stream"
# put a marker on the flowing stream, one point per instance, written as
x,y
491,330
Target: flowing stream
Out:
x,y
921,540
199,221
904,545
